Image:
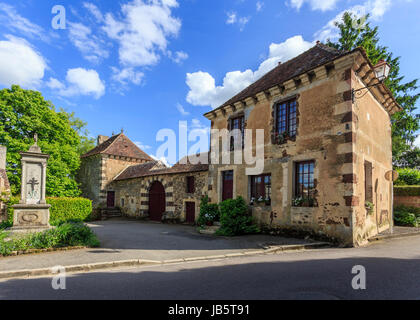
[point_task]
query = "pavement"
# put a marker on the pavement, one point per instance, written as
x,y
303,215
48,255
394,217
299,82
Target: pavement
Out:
x,y
398,232
135,242
392,272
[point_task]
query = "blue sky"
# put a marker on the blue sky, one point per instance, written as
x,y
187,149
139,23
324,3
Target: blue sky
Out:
x,y
146,65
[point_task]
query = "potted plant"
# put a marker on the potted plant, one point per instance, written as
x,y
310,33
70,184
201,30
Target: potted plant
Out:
x,y
268,201
297,202
252,201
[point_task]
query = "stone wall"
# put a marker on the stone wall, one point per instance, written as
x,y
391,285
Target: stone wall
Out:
x,y
135,194
97,171
408,201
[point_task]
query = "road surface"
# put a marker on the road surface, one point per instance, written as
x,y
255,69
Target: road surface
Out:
x,y
392,272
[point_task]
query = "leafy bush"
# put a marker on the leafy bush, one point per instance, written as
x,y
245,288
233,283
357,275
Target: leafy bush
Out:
x,y
235,218
408,177
407,216
62,210
209,212
9,203
67,234
69,209
407,191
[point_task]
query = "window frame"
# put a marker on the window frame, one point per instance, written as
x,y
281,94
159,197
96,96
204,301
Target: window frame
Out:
x,y
190,184
309,194
262,186
286,119
241,123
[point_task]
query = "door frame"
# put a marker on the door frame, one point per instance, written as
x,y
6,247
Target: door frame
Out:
x,y
108,193
194,206
220,181
163,196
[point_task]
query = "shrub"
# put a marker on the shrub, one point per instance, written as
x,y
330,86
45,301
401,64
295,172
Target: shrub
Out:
x,y
407,216
69,209
62,210
407,191
209,212
408,177
67,234
9,203
235,218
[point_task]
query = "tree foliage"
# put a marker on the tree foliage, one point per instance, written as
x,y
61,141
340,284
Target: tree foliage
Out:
x,y
405,124
61,135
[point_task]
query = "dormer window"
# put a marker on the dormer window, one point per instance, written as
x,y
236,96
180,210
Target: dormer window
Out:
x,y
286,115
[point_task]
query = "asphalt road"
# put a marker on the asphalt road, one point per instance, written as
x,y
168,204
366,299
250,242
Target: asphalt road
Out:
x,y
392,272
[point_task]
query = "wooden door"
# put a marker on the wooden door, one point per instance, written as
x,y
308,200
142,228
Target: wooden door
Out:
x,y
190,212
110,199
227,185
157,201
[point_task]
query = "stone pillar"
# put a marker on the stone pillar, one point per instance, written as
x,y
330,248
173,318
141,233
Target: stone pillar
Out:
x,y
32,213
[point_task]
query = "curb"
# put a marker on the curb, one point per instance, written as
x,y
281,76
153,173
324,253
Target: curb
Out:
x,y
141,262
394,236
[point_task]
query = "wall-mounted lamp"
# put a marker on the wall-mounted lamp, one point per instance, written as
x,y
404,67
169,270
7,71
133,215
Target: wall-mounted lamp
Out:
x,y
382,70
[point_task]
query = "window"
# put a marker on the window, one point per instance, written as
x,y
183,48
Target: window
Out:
x,y
368,182
237,123
304,182
190,185
261,187
286,118
122,202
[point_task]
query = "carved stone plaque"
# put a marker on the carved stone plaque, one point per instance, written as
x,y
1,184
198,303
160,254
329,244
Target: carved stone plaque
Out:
x,y
33,183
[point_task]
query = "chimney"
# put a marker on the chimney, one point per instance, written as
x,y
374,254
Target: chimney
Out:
x,y
3,157
102,139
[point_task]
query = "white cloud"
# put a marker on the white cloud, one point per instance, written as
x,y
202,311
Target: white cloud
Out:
x,y
143,31
91,46
232,18
142,146
259,5
79,82
181,109
11,19
20,63
127,75
322,5
94,10
417,142
179,57
376,8
164,160
203,89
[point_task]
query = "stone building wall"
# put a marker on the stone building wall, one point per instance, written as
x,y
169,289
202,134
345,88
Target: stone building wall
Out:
x,y
135,194
97,171
327,126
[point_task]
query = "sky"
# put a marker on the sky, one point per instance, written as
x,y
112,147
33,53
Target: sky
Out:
x,y
145,65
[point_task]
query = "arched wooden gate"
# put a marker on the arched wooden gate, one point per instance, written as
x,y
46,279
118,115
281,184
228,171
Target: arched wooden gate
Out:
x,y
157,201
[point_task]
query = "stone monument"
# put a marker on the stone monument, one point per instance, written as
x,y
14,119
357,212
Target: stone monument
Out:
x,y
32,214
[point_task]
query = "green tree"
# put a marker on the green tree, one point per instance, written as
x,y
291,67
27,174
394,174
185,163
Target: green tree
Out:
x,y
405,124
25,112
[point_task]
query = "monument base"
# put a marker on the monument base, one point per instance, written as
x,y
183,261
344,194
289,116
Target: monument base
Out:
x,y
29,218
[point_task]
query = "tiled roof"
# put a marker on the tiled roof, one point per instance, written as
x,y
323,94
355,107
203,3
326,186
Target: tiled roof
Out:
x,y
119,145
317,56
149,169
314,57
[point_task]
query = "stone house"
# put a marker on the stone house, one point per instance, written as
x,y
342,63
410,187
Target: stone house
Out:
x,y
4,183
100,165
326,151
118,174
